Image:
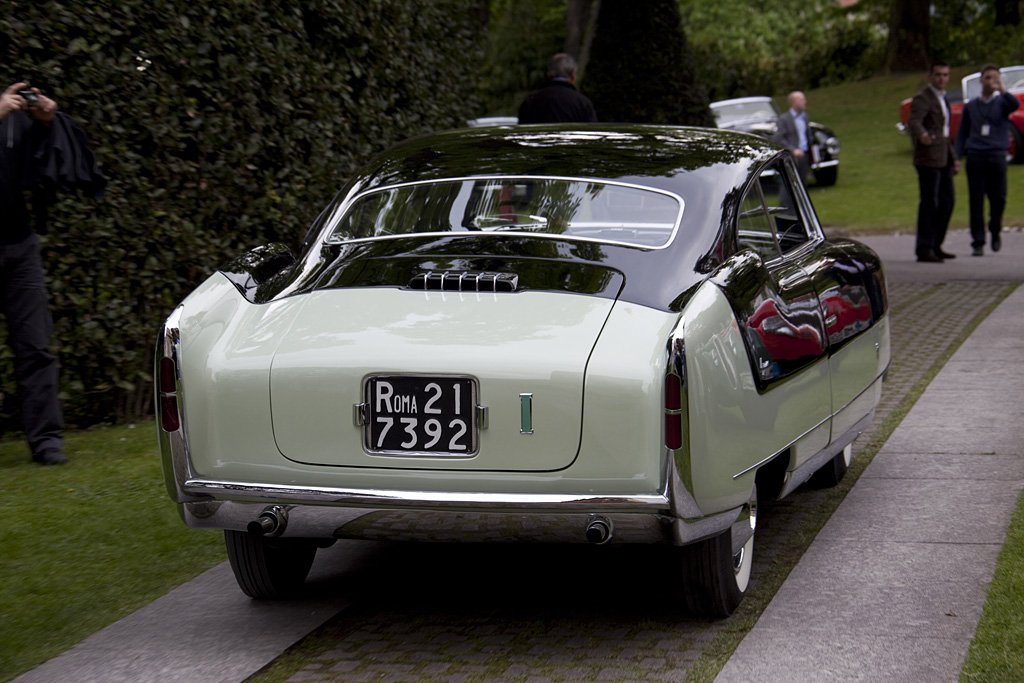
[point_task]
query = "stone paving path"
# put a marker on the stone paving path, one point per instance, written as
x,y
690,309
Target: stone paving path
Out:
x,y
538,614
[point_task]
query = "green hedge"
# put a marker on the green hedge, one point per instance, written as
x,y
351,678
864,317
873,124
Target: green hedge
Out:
x,y
221,126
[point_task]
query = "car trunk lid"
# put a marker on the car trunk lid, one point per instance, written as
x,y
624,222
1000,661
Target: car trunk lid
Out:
x,y
356,358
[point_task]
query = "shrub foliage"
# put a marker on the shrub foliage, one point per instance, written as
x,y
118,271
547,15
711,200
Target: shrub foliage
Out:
x,y
221,126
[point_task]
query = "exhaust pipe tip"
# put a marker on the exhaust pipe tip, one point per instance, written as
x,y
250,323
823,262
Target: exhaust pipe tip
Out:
x,y
271,522
599,530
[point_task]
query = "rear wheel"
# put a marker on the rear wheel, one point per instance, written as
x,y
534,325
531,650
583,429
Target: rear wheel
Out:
x,y
832,472
716,571
1015,154
269,568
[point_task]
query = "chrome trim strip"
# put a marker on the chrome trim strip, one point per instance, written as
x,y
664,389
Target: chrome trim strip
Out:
x,y
778,453
390,498
343,211
678,478
174,450
825,164
526,413
816,461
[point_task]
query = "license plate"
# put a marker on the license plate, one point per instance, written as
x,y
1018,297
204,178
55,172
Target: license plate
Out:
x,y
421,415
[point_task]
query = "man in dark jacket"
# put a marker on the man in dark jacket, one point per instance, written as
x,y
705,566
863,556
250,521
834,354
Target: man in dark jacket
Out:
x,y
935,163
558,101
983,135
25,131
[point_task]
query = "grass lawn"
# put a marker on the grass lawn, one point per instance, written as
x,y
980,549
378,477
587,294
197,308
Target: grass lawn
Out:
x,y
87,543
997,651
877,187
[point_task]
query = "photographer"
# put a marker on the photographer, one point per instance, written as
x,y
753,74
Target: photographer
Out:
x,y
40,151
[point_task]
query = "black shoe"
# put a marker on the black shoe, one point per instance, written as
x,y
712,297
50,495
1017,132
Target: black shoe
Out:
x,y
50,456
944,254
930,258
997,241
977,251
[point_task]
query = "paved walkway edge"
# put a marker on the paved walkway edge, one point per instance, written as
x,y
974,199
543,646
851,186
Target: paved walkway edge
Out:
x,y
205,631
893,586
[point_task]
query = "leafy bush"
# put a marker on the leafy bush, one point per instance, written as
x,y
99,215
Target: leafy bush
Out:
x,y
746,48
964,32
221,126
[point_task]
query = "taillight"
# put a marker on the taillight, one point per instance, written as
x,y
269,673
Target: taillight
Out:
x,y
673,412
169,418
167,383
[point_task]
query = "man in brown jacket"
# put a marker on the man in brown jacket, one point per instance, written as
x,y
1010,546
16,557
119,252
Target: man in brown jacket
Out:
x,y
935,162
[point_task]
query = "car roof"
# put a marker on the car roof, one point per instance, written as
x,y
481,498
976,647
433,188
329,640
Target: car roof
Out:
x,y
658,156
740,100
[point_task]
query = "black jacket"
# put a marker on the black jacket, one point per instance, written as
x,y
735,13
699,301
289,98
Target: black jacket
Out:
x,y
557,102
41,159
21,138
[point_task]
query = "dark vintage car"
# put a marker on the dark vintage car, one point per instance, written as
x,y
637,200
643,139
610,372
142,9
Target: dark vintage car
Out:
x,y
605,335
970,87
759,115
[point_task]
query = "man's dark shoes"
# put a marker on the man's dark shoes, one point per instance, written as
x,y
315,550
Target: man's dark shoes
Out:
x,y
51,456
997,241
929,258
944,254
977,251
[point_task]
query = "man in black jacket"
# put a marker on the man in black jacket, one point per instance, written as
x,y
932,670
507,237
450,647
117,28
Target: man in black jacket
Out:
x,y
558,101
25,123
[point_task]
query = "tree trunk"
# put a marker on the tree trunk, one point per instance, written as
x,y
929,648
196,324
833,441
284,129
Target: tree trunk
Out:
x,y
1007,12
580,20
577,16
909,29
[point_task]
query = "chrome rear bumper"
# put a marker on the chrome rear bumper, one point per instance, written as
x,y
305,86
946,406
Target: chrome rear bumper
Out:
x,y
448,516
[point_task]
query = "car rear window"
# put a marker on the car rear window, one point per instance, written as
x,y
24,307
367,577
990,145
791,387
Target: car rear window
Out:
x,y
552,207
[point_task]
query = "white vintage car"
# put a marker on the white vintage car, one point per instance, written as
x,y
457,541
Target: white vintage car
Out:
x,y
606,335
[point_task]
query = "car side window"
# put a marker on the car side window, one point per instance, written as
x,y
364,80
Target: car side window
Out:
x,y
754,225
781,202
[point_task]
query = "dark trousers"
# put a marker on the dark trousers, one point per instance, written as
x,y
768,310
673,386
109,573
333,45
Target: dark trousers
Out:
x,y
935,207
25,306
986,177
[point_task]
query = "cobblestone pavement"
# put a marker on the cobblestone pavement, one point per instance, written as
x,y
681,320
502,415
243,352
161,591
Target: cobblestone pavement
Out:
x,y
532,614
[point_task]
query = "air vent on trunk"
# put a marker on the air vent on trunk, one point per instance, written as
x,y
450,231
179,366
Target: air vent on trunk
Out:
x,y
463,281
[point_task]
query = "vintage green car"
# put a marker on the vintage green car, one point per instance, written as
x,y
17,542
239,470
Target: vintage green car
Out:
x,y
602,334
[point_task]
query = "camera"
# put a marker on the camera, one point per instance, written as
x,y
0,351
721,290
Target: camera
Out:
x,y
30,97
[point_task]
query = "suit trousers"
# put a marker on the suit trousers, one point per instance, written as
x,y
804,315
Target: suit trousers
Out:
x,y
25,305
986,177
934,209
